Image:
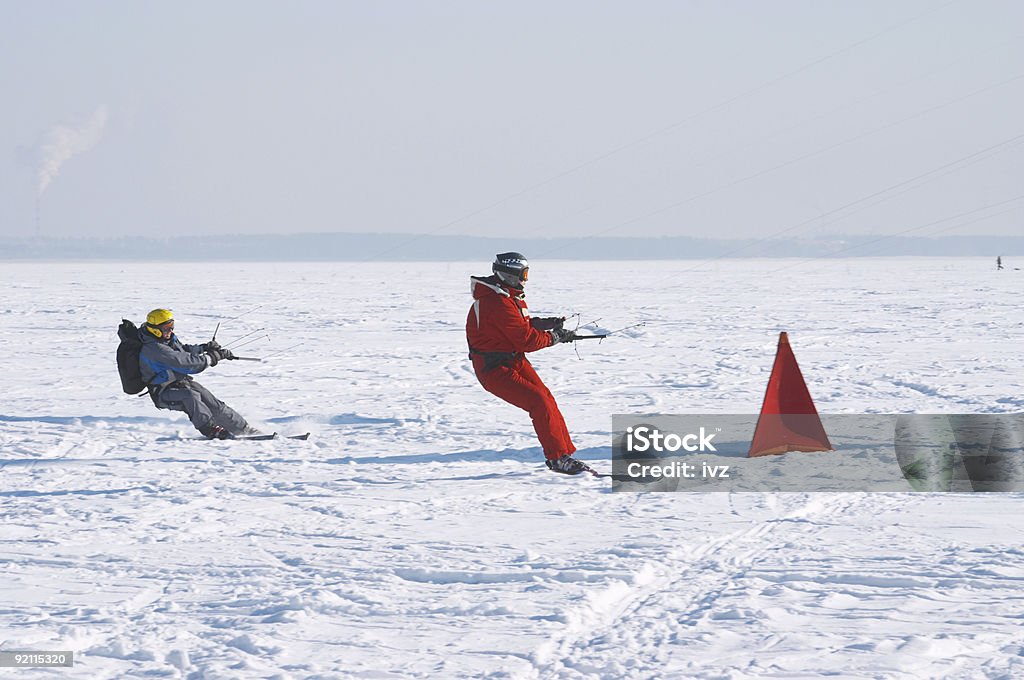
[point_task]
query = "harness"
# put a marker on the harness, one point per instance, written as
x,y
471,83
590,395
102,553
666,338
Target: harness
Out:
x,y
493,360
155,391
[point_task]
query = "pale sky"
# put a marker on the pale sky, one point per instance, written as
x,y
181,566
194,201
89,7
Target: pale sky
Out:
x,y
579,118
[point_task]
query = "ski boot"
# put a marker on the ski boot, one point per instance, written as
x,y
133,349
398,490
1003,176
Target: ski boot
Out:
x,y
567,465
216,432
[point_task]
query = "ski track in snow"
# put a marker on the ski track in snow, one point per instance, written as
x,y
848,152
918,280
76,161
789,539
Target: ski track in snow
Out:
x,y
669,599
417,534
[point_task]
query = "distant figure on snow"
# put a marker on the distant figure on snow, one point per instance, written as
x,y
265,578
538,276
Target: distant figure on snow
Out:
x,y
999,262
500,332
167,367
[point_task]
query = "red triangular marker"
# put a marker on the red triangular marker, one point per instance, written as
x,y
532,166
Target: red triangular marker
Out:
x,y
788,420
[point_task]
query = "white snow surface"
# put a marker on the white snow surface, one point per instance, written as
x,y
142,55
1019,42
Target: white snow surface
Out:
x,y
417,534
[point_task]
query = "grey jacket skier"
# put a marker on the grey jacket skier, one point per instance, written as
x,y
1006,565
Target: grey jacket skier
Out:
x,y
167,366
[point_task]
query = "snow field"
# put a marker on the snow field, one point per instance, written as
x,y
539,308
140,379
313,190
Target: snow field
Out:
x,y
417,535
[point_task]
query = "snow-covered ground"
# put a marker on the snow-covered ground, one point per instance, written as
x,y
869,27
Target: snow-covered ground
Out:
x,y
417,534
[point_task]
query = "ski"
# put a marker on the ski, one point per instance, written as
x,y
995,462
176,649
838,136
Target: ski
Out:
x,y
252,437
274,435
249,438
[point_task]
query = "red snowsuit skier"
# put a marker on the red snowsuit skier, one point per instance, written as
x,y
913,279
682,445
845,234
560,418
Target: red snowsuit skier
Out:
x,y
500,332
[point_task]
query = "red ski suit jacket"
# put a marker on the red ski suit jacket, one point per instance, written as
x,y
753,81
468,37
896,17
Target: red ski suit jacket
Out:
x,y
499,323
499,320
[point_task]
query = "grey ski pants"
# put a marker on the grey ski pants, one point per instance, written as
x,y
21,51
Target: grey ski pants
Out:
x,y
202,408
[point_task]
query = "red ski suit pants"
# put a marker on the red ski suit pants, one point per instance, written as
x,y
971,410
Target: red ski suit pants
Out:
x,y
519,385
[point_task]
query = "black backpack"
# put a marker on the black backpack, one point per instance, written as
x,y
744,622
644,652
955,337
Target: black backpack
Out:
x,y
128,358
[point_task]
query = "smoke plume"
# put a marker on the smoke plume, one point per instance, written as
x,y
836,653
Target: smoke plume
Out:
x,y
62,142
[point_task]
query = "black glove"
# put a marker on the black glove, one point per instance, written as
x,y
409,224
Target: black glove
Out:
x,y
212,344
547,323
217,355
561,335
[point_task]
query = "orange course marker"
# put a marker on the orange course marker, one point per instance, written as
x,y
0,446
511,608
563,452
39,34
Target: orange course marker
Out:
x,y
788,420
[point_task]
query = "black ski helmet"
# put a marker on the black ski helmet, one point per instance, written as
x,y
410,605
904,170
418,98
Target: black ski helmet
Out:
x,y
512,268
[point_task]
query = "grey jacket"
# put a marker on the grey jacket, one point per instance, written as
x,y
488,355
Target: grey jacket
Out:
x,y
165,362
